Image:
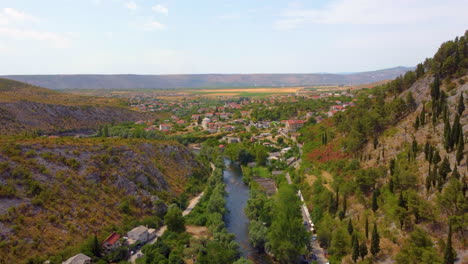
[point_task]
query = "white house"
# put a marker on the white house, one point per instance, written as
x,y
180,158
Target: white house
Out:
x,y
139,233
78,259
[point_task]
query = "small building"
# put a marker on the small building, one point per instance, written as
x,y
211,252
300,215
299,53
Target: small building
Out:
x,y
111,242
252,164
138,234
294,125
165,127
205,123
78,259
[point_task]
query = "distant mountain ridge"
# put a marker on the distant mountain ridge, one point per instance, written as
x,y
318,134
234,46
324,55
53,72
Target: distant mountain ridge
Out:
x,y
132,81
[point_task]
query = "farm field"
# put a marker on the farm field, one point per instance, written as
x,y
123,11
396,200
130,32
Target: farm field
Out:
x,y
249,91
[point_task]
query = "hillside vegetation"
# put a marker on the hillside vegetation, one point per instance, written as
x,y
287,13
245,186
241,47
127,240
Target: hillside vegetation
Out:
x,y
29,108
55,193
398,161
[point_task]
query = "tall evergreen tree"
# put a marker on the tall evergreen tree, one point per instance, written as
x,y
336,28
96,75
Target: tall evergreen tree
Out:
x,y
455,173
436,158
426,150
355,254
416,123
448,138
350,227
449,257
363,249
435,88
402,202
414,148
456,127
375,205
461,105
95,247
345,204
460,152
375,241
444,169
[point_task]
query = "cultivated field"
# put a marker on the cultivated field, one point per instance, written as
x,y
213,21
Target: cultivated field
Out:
x,y
249,91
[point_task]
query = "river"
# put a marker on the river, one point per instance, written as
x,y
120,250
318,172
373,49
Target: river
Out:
x,y
236,220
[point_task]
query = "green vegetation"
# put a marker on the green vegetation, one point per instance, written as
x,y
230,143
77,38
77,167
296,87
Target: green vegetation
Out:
x,y
57,183
396,176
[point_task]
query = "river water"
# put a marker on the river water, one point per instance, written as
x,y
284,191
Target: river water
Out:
x,y
236,220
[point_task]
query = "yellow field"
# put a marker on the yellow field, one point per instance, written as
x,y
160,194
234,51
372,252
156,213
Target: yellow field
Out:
x,y
253,90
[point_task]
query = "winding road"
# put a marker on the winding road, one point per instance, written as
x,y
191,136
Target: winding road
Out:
x,y
163,228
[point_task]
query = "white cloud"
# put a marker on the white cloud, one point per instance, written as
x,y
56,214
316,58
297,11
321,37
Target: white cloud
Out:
x,y
229,16
160,9
10,15
56,40
131,5
153,25
372,12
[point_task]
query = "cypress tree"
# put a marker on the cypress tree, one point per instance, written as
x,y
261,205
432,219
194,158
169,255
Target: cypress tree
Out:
x,y
392,166
434,176
428,180
460,153
355,255
332,208
391,185
95,247
375,241
416,123
363,249
436,158
430,154
350,227
449,257
414,148
402,202
448,142
345,206
337,199
426,150
456,130
444,168
455,173
461,105
422,118
435,88
375,206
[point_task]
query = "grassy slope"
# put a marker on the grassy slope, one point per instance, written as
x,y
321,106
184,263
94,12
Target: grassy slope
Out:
x,y
57,203
13,91
394,140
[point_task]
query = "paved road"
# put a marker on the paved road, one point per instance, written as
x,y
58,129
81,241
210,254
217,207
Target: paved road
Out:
x,y
316,249
163,229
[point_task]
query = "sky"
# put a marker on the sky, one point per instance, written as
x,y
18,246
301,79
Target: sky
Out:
x,y
222,36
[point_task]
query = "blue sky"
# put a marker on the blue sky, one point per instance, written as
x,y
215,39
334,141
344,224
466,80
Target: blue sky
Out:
x,y
205,36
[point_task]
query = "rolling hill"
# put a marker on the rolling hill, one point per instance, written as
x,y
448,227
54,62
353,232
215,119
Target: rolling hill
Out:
x,y
396,165
129,81
24,107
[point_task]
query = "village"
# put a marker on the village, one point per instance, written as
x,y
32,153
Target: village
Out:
x,y
232,121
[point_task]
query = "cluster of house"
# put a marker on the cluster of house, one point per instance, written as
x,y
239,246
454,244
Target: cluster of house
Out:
x,y
280,156
339,107
138,235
